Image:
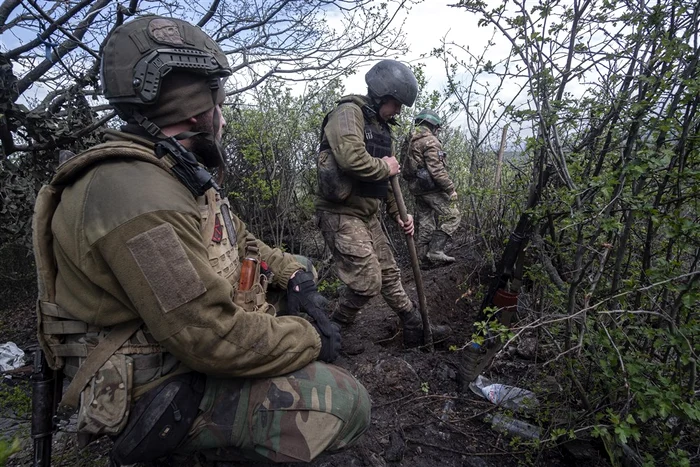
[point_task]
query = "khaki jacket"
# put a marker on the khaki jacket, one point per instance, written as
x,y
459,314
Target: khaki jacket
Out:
x,y
426,151
344,133
128,244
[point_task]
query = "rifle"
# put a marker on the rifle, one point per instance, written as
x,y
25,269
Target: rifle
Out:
x,y
47,385
477,357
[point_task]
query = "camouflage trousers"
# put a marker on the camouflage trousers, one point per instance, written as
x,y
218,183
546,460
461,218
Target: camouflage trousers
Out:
x,y
435,211
288,418
363,261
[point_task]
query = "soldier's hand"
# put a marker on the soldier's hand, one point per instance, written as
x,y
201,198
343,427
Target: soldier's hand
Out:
x,y
408,226
453,196
393,163
302,295
330,340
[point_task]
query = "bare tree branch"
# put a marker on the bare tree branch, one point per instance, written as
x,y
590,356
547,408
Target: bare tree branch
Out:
x,y
64,48
212,9
5,10
294,41
46,33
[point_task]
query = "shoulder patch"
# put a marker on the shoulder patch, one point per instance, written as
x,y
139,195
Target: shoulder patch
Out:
x,y
166,267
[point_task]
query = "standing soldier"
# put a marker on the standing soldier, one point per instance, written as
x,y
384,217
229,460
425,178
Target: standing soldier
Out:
x,y
355,161
142,302
426,172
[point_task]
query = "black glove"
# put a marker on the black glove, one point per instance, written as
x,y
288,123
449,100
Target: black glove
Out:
x,y
302,295
330,341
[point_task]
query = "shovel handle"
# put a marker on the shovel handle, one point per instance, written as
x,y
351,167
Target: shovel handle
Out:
x,y
410,242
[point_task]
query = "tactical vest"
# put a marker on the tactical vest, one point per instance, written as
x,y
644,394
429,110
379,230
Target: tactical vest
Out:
x,y
217,226
107,364
414,170
378,143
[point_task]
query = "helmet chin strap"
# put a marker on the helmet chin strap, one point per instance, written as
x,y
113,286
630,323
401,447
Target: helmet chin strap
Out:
x,y
184,163
150,127
376,100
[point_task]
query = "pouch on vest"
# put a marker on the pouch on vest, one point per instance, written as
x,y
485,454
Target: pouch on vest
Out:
x,y
160,420
255,298
333,184
425,180
105,401
42,239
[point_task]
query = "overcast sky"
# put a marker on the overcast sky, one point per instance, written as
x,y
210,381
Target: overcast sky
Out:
x,y
426,24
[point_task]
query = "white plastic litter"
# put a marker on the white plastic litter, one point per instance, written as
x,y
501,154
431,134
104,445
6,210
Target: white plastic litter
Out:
x,y
11,356
502,395
513,426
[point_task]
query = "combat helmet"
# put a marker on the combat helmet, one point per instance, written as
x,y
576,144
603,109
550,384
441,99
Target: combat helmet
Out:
x,y
392,78
151,56
429,116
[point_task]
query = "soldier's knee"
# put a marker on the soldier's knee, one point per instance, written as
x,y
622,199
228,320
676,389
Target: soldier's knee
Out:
x,y
367,284
374,286
356,414
391,277
352,299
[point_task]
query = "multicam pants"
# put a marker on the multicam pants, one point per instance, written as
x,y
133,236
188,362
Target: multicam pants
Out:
x,y
363,261
287,418
435,211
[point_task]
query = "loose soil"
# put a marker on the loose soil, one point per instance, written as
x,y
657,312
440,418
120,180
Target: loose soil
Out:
x,y
419,417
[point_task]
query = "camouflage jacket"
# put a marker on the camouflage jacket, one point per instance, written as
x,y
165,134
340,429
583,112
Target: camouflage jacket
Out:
x,y
344,133
426,152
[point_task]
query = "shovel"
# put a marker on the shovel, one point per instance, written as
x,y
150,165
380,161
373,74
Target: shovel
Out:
x,y
410,242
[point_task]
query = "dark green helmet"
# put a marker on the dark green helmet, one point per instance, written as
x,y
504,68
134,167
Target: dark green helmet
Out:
x,y
430,116
140,53
392,78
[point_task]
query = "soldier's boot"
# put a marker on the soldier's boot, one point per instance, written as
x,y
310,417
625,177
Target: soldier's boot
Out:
x,y
412,325
345,316
437,248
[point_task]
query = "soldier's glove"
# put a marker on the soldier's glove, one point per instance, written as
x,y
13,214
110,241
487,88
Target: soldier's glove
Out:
x,y
302,295
330,340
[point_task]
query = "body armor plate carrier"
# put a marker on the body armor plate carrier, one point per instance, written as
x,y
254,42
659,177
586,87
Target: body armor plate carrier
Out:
x,y
377,136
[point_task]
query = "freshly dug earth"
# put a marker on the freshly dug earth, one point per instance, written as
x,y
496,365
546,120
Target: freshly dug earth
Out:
x,y
419,417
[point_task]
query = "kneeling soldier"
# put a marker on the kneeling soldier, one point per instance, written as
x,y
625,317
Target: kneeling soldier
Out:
x,y
141,301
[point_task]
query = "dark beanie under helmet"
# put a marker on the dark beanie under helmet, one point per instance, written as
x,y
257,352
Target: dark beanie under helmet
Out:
x,y
183,95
